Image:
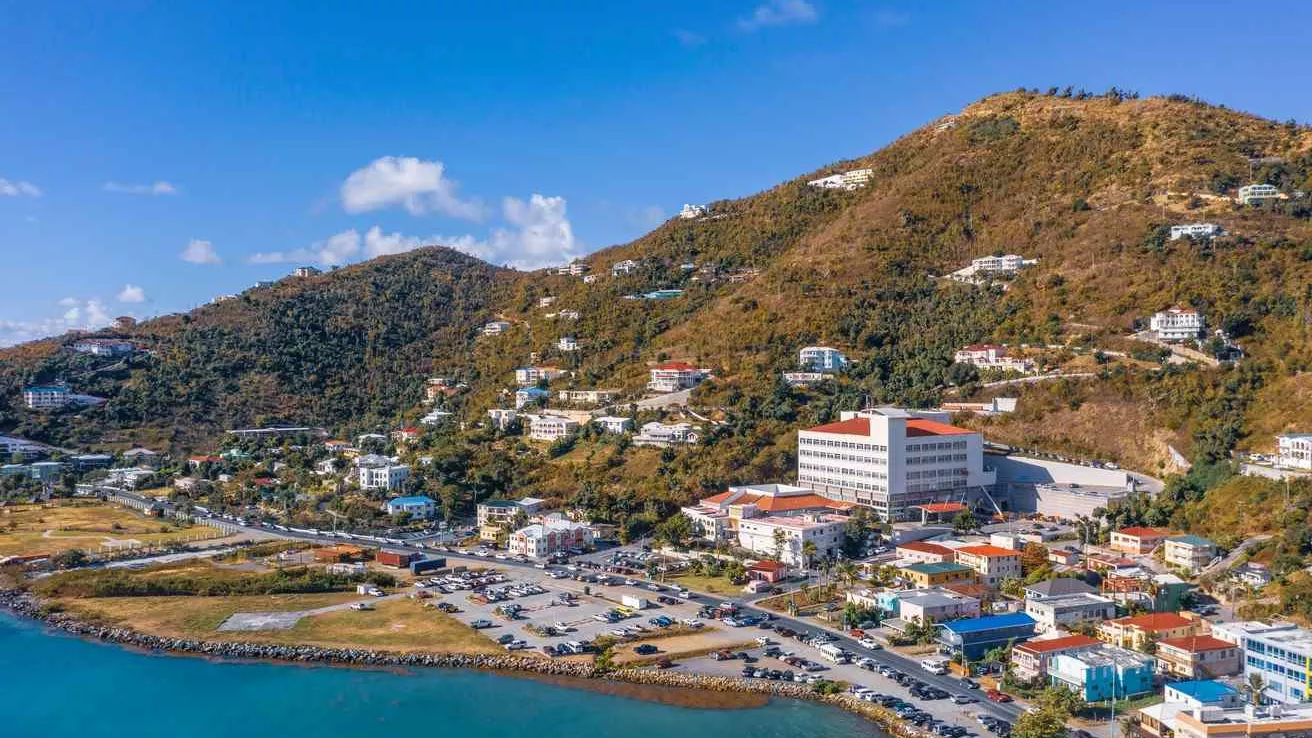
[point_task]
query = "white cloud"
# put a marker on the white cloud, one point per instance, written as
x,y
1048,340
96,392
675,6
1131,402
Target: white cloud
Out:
x,y
200,252
158,187
131,293
18,188
418,186
336,250
779,13
87,315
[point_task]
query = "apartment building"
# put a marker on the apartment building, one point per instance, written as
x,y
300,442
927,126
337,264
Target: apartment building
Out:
x,y
493,516
544,539
1295,451
382,476
527,375
1254,194
104,347
573,269
692,212
851,180
758,535
716,518
46,396
1195,230
992,356
1279,653
1137,540
1197,657
1103,673
661,435
821,359
1065,613
587,397
1030,660
675,376
935,605
551,427
1177,324
924,552
1004,263
1139,630
993,564
1188,552
892,460
1180,720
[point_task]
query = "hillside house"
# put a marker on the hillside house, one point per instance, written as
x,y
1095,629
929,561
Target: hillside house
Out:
x,y
1177,324
551,427
587,396
614,423
621,268
674,376
1189,552
573,269
104,347
525,396
382,476
420,507
527,375
992,356
567,343
821,359
1137,540
662,435
691,212
1255,194
1195,230
46,396
496,328
1295,451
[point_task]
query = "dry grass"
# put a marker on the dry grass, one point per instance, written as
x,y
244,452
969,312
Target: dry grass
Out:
x,y
29,530
713,585
682,647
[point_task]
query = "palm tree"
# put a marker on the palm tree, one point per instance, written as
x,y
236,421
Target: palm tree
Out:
x,y
847,572
808,552
1255,686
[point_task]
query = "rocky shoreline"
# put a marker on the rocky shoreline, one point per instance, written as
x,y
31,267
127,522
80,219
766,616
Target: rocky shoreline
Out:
x,y
29,606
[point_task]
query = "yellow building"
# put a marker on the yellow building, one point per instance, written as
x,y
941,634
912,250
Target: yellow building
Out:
x,y
927,575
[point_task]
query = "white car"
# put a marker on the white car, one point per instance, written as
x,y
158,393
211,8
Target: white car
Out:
x,y
869,643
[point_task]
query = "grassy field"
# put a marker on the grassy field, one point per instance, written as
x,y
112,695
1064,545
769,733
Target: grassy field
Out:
x,y
396,625
27,530
712,585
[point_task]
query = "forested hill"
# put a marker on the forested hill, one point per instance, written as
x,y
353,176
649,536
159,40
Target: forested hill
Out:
x,y
1087,185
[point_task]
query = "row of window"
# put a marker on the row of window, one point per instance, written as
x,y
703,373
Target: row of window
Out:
x,y
826,481
876,460
822,469
944,459
943,446
931,473
804,441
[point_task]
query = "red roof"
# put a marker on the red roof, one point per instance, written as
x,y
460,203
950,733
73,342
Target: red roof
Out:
x,y
771,566
676,366
983,347
1197,644
780,503
988,551
941,507
1155,621
850,427
923,427
923,547
1058,644
1143,532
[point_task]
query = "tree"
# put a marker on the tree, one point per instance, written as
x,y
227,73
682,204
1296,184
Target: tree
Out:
x,y
965,521
1047,721
1255,686
675,530
779,539
808,552
1033,556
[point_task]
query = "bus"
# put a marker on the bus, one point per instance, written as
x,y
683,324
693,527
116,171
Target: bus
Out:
x,y
935,665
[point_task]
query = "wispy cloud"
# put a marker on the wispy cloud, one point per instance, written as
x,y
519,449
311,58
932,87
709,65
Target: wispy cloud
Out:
x,y
131,293
335,250
419,186
689,39
779,13
200,252
18,188
74,314
158,187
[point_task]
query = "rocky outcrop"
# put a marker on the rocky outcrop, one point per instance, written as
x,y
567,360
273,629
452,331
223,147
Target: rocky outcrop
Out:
x,y
27,605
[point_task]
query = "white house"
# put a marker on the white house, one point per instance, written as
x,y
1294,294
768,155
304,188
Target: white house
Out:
x,y
1295,451
46,396
1177,324
1064,613
587,397
661,435
589,278
802,379
573,269
501,418
832,182
689,212
992,356
821,358
623,267
785,537
1195,230
849,180
383,476
418,507
568,314
549,537
1256,193
525,396
567,343
104,347
546,301
892,460
527,375
496,328
716,518
550,427
675,376
1004,263
614,423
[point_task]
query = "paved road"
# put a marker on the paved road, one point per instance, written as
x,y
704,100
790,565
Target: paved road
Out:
x,y
1038,378
1228,561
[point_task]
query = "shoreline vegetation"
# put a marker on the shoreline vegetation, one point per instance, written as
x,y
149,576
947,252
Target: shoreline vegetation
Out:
x,y
682,689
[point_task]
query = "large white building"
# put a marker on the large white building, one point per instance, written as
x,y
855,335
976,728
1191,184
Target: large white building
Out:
x,y
892,459
621,268
661,434
614,423
1279,653
587,396
850,180
46,396
549,537
821,359
1195,230
550,427
1004,263
574,269
691,212
758,535
674,376
1064,613
526,375
1295,451
1255,193
716,518
992,356
383,476
1177,324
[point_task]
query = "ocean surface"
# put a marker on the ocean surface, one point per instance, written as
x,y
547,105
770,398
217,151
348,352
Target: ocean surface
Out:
x,y
58,686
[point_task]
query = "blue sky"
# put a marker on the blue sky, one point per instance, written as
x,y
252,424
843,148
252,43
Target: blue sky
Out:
x,y
251,139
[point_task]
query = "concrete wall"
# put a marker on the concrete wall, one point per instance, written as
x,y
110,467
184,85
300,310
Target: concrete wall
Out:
x,y
1022,469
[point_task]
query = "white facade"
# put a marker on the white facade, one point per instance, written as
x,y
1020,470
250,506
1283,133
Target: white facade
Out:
x,y
821,358
675,376
549,537
587,397
1255,193
501,418
575,269
306,271
890,459
623,267
689,212
567,343
527,375
1195,230
1279,653
1177,324
992,356
550,427
825,531
389,477
849,180
496,328
1063,613
44,397
525,396
1004,263
614,423
660,434
1295,451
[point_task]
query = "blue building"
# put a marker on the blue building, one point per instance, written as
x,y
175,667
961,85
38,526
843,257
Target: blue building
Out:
x,y
1204,693
1103,673
419,506
974,637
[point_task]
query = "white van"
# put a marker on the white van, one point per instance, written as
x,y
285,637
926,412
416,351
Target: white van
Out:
x,y
935,665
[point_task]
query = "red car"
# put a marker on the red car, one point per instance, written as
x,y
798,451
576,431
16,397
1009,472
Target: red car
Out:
x,y
997,696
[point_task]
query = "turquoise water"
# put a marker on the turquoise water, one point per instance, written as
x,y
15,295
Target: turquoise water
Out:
x,y
56,686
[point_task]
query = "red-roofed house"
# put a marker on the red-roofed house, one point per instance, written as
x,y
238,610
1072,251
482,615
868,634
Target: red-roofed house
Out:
x,y
992,563
674,376
922,552
405,434
1029,660
892,460
1138,630
1197,657
1137,540
716,518
767,571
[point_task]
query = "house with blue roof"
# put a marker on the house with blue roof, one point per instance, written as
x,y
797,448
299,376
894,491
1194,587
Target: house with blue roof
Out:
x,y
1203,693
974,637
419,506
1188,552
